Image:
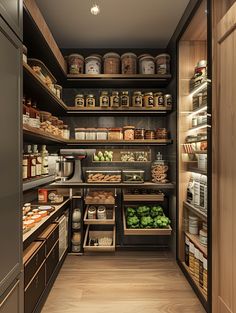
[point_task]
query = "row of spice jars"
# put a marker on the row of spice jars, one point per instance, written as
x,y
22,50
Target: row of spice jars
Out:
x,y
197,263
125,133
123,99
113,63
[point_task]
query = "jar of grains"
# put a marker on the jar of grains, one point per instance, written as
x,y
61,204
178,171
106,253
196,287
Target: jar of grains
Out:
x,y
93,65
128,132
129,63
146,64
76,63
163,64
111,63
139,134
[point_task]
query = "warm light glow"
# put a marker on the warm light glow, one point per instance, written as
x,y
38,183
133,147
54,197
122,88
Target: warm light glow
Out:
x,y
202,109
95,10
198,89
199,127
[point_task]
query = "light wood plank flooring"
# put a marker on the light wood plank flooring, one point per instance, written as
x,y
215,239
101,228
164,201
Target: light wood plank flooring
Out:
x,y
124,282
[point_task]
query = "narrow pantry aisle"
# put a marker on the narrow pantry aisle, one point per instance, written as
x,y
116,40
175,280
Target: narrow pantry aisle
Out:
x,y
125,282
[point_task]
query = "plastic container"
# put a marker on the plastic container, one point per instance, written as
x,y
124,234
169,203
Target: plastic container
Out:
x,y
133,176
146,64
80,133
103,176
129,63
76,63
79,100
102,134
93,65
193,225
111,63
91,134
162,64
115,134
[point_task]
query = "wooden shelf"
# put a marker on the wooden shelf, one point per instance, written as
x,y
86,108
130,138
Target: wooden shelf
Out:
x,y
195,240
109,221
46,99
157,142
197,170
35,135
99,234
195,210
200,126
143,198
37,182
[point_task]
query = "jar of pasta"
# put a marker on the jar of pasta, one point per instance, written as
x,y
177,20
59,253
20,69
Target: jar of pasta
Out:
x,y
137,99
128,132
111,63
129,63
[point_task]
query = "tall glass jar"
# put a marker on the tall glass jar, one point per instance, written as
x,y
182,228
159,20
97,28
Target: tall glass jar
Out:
x,y
159,170
124,99
90,101
76,242
137,99
104,99
79,100
111,63
115,99
129,63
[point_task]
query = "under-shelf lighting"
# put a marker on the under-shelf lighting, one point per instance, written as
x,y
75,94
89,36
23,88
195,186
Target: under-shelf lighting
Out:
x,y
201,109
95,10
198,89
199,127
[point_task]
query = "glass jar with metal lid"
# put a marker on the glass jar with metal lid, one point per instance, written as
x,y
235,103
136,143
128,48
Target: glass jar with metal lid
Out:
x,y
159,101
101,212
168,101
146,64
129,63
139,133
93,65
111,63
90,101
104,99
76,63
148,100
137,99
115,99
79,100
124,99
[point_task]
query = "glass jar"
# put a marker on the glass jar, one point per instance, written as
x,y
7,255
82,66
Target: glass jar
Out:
x,y
148,100
124,99
104,99
101,212
58,89
80,133
92,212
76,63
101,134
76,218
159,170
128,132
139,134
91,134
111,63
79,100
93,65
137,99
115,134
90,101
162,64
196,264
168,101
150,134
115,100
141,156
128,63
66,132
161,133
159,101
76,242
146,64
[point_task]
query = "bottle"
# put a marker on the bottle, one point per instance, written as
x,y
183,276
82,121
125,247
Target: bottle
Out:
x,y
31,163
44,159
26,113
36,115
38,160
76,218
31,112
25,166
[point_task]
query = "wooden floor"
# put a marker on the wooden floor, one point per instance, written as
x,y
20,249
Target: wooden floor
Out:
x,y
124,282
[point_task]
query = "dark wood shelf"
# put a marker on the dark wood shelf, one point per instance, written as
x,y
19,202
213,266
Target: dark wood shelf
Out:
x,y
38,136
157,142
37,182
36,88
197,170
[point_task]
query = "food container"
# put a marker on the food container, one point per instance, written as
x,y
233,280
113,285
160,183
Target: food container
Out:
x,y
100,197
128,132
93,65
193,225
162,64
25,52
133,176
148,100
129,63
115,99
54,120
150,134
159,101
111,63
137,99
168,101
159,170
58,89
104,99
141,156
115,134
91,134
79,100
102,134
127,156
103,176
161,133
146,64
76,63
42,195
45,116
66,132
90,101
101,212
139,133
92,212
124,99
203,237
80,133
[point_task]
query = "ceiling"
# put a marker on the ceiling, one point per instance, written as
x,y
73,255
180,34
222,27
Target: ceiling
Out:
x,y
120,24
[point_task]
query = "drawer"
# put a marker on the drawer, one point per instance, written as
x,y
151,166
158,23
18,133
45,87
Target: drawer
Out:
x,y
52,261
33,257
34,290
99,231
51,235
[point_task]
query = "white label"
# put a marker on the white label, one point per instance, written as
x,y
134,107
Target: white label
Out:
x,y
38,169
196,253
33,171
191,247
205,263
24,172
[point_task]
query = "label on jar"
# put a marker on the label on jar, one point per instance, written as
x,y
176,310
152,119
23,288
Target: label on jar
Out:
x,y
160,100
38,169
92,67
79,102
43,195
138,101
150,101
105,101
33,170
125,101
148,67
25,119
115,101
25,171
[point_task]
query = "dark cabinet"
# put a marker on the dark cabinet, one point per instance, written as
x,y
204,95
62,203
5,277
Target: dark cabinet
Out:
x,y
12,12
10,301
10,160
52,261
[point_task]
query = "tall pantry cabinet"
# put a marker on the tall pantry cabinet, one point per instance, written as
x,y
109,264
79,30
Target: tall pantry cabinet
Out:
x,y
10,156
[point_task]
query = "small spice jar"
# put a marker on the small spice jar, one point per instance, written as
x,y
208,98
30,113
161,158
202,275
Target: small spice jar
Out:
x,y
104,99
168,101
148,100
76,63
128,132
150,134
79,100
93,65
101,212
162,64
196,264
137,99
92,213
139,133
205,274
129,63
159,101
90,101
193,225
124,99
111,63
161,133
191,258
146,64
115,99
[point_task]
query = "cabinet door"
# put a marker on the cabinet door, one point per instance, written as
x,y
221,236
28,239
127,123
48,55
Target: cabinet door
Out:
x,y
10,160
11,11
10,303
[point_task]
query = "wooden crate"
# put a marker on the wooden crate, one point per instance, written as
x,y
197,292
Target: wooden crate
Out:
x,y
98,234
109,221
143,198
